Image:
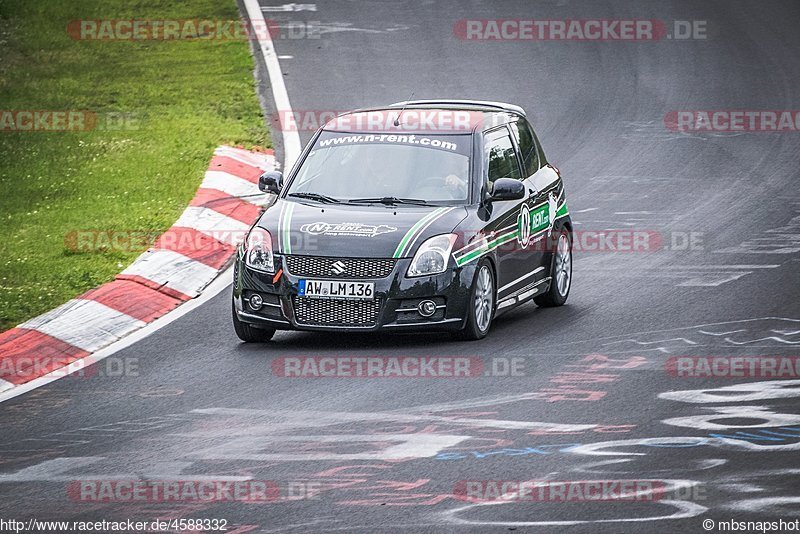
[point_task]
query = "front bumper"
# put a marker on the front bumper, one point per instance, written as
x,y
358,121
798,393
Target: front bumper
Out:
x,y
394,307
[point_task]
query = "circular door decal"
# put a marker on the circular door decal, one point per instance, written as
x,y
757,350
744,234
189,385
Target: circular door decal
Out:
x,y
524,226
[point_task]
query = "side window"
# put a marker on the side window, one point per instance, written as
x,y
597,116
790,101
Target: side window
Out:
x,y
500,157
527,146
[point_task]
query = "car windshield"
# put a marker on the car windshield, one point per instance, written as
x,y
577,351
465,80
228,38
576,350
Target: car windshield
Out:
x,y
395,169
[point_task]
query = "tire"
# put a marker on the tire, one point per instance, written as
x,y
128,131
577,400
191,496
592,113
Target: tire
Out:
x,y
561,273
481,304
248,333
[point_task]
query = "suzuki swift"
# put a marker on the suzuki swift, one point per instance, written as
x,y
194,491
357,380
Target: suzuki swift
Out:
x,y
422,215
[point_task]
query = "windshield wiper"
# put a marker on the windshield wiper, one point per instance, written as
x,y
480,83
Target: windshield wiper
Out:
x,y
314,196
390,201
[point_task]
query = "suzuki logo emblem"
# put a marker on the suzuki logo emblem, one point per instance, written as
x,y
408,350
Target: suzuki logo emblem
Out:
x,y
338,267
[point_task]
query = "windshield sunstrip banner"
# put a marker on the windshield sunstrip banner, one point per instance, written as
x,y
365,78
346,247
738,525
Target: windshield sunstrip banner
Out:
x,y
460,144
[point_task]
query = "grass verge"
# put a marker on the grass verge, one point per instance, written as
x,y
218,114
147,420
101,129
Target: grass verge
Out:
x,y
162,107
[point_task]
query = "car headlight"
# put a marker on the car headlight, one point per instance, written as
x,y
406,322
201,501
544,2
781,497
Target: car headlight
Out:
x,y
432,256
258,250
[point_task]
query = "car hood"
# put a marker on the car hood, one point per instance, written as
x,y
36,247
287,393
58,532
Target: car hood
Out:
x,y
374,231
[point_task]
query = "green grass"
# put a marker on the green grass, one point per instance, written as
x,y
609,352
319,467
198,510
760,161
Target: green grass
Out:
x,y
186,98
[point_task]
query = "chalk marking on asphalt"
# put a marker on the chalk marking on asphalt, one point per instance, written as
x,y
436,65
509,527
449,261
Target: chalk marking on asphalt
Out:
x,y
684,509
62,470
291,139
702,325
631,340
406,446
305,419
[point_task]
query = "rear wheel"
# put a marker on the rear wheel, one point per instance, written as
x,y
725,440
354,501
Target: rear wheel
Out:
x,y
248,333
481,304
561,274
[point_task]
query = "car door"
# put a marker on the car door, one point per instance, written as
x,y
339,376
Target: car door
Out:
x,y
500,160
542,184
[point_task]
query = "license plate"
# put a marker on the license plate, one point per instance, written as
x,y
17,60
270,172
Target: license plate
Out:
x,y
336,290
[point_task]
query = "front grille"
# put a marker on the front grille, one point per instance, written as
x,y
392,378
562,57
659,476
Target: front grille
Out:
x,y
339,267
333,312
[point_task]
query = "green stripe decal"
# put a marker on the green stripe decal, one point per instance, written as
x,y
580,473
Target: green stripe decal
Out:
x,y
477,253
540,223
400,250
486,247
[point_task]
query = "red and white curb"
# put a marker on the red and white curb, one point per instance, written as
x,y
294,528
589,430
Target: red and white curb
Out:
x,y
177,268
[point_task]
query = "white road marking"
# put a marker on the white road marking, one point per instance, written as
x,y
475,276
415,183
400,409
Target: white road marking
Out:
x,y
721,267
697,275
86,324
291,139
712,280
290,7
781,240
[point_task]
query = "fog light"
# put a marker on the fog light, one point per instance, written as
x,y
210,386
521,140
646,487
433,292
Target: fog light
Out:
x,y
426,308
256,301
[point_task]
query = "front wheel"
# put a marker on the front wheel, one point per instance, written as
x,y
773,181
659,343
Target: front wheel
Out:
x,y
248,333
561,274
481,304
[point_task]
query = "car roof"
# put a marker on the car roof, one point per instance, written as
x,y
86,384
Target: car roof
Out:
x,y
427,116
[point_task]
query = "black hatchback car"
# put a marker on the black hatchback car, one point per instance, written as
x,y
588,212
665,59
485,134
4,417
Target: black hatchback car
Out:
x,y
419,215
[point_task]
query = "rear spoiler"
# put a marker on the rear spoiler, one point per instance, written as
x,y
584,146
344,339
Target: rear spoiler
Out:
x,y
449,102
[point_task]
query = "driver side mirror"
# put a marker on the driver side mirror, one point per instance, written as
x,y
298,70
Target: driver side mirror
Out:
x,y
507,189
270,182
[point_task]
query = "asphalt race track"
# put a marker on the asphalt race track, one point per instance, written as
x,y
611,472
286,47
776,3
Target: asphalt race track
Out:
x,y
593,399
